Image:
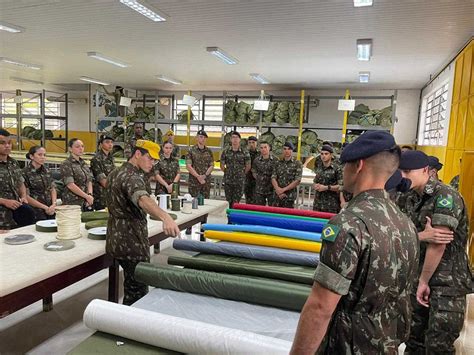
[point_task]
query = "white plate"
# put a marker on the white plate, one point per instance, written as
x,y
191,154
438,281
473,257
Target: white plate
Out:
x,y
98,231
19,239
47,223
59,245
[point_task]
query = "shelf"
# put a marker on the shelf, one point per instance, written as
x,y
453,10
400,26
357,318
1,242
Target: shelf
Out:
x,y
49,117
22,116
354,127
111,119
120,144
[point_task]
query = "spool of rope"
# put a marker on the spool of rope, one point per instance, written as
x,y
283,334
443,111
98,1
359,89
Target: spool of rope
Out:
x,y
68,218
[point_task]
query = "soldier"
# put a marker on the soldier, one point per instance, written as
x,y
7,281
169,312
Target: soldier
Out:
x,y
327,183
138,128
434,166
444,275
262,170
200,163
286,177
359,302
102,165
454,183
12,188
166,170
42,194
250,183
169,137
235,164
128,203
77,178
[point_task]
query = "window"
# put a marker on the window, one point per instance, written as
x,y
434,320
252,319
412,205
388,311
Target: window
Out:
x,y
434,122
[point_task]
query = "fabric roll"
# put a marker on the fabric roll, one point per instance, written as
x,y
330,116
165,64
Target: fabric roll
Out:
x,y
284,223
289,233
265,240
268,214
177,334
283,210
255,252
240,266
280,294
94,216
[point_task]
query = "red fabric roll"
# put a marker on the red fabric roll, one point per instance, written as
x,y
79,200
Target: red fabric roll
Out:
x,y
282,210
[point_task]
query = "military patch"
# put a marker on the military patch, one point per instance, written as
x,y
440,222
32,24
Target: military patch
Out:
x,y
445,202
330,232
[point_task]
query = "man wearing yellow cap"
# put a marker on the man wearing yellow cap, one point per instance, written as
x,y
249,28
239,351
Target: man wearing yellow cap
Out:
x,y
169,137
129,202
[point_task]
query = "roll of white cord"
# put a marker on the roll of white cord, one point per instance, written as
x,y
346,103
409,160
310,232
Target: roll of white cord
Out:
x,y
68,219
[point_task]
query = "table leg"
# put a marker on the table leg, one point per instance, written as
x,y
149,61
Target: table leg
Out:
x,y
48,303
201,238
114,282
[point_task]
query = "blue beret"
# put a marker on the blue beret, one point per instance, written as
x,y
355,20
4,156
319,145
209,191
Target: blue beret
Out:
x,y
368,144
434,163
413,159
398,183
289,145
252,138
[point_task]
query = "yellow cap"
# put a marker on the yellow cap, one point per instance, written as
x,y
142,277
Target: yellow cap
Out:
x,y
169,133
151,147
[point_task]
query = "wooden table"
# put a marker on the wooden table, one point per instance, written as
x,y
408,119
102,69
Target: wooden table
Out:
x,y
29,273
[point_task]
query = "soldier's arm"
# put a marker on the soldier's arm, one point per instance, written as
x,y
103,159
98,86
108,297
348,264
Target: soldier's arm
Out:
x,y
23,193
149,206
297,181
275,183
248,162
177,178
211,164
222,162
160,179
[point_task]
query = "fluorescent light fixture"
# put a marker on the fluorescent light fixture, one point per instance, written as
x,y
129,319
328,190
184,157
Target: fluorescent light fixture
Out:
x,y
362,3
364,49
219,53
104,58
144,10
92,80
364,77
169,80
8,27
29,81
20,63
259,78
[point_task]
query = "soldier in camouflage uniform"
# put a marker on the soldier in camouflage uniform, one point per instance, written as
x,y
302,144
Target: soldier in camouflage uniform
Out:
x,y
454,183
286,177
327,183
102,165
138,128
169,137
200,163
42,194
166,171
235,163
444,275
128,203
77,178
262,170
12,188
250,183
360,302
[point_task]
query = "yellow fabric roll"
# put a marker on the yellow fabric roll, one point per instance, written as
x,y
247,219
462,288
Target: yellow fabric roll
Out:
x,y
264,240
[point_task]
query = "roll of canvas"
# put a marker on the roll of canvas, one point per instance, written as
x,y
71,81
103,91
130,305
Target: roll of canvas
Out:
x,y
268,214
283,210
280,232
255,252
265,240
94,216
280,294
177,334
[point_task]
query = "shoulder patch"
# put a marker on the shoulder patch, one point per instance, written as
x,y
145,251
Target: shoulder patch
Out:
x,y
444,202
330,233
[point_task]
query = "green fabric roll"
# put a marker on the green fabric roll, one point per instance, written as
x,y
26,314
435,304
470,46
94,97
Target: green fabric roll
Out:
x,y
269,214
242,266
95,224
280,294
46,229
94,216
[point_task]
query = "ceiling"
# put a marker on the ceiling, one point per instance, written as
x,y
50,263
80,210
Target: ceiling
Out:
x,y
294,44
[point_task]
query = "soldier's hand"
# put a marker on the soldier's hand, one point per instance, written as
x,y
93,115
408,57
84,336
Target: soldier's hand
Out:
x,y
169,188
435,235
423,294
202,179
24,200
90,200
170,227
11,204
319,187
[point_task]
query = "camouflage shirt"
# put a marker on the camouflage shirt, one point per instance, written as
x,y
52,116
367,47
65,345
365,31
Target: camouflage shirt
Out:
x,y
174,153
130,144
127,232
370,257
167,168
263,170
454,183
200,160
327,201
287,171
235,162
253,155
101,166
39,183
445,207
78,172
11,178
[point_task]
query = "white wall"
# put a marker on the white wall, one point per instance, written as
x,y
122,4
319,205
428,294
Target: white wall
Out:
x,y
408,102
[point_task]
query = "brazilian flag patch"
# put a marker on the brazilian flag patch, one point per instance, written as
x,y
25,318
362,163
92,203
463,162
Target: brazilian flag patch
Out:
x,y
445,202
330,233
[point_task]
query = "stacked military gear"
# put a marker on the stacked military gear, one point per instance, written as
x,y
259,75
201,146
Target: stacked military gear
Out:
x,y
144,114
183,116
240,112
294,113
33,133
363,116
268,137
281,113
310,143
229,111
269,115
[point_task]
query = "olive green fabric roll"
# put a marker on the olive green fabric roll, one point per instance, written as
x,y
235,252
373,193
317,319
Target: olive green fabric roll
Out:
x,y
242,266
280,294
94,216
95,224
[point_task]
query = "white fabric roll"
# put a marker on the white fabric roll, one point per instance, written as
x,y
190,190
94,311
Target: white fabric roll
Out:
x,y
177,334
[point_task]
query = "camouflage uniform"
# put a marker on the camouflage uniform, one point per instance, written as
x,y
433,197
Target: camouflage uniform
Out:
x,y
454,183
79,173
11,178
127,232
370,257
263,170
167,168
174,153
234,176
200,160
250,183
327,201
132,142
285,172
435,329
39,183
101,166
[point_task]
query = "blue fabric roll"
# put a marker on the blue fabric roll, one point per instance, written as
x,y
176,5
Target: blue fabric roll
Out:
x,y
289,233
249,251
278,222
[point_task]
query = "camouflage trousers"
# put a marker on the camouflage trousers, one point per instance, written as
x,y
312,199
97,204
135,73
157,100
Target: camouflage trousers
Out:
x,y
434,329
250,192
233,193
99,205
6,218
196,189
132,289
283,202
264,199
